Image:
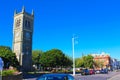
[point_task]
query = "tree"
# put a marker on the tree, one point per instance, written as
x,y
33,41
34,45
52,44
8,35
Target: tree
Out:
x,y
85,61
98,64
54,58
8,57
36,55
51,58
67,61
79,62
88,61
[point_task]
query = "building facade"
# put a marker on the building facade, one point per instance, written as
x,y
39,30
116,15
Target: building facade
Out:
x,y
101,61
115,64
22,40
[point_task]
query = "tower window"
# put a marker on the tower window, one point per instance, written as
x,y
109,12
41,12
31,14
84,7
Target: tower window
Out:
x,y
27,24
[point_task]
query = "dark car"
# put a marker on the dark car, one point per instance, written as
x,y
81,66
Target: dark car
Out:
x,y
104,71
56,77
85,72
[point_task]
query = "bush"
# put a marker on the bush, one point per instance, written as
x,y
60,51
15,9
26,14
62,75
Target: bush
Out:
x,y
54,71
8,72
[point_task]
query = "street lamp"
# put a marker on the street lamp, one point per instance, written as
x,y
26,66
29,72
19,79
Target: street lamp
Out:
x,y
73,56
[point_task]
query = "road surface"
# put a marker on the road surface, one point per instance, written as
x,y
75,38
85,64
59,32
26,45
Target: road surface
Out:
x,y
109,76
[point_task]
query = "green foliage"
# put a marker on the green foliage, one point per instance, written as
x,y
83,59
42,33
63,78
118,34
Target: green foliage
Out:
x,y
54,58
36,55
8,57
51,59
88,61
8,72
67,61
99,64
79,62
85,61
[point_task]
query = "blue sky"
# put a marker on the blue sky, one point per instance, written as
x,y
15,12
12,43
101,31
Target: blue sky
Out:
x,y
95,22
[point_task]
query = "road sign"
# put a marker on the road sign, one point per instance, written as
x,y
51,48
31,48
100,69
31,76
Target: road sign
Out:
x,y
1,67
1,64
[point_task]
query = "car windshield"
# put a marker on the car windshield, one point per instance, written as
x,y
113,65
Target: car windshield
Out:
x,y
53,78
56,77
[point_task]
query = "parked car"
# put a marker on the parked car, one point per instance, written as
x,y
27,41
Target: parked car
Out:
x,y
55,76
91,72
104,71
85,72
97,71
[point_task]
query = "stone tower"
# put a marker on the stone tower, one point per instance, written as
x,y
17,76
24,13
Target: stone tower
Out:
x,y
22,40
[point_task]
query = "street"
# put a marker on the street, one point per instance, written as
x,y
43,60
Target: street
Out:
x,y
97,76
109,76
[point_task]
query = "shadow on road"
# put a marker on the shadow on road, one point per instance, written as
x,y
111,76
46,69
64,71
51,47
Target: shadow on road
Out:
x,y
33,75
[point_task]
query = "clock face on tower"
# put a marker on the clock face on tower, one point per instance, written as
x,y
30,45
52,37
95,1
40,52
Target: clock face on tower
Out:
x,y
27,35
18,21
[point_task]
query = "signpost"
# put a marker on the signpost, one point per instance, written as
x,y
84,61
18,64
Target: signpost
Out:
x,y
1,66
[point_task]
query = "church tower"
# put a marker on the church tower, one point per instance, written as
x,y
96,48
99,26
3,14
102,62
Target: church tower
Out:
x,y
22,40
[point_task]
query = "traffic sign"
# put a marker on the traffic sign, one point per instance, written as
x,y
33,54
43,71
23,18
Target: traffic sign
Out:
x,y
1,64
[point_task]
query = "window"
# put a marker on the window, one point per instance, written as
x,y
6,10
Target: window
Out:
x,y
27,24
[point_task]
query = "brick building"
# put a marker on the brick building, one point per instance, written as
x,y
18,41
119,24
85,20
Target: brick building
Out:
x,y
101,60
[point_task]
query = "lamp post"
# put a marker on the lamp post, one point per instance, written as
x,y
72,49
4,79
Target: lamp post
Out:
x,y
73,56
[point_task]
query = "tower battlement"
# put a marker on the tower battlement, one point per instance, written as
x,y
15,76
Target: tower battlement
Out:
x,y
23,12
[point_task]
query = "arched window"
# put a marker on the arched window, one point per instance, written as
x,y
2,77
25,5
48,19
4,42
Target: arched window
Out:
x,y
27,24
